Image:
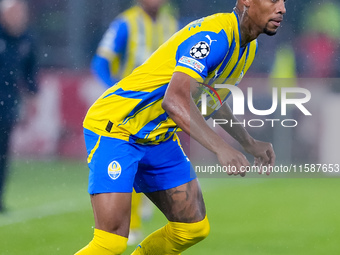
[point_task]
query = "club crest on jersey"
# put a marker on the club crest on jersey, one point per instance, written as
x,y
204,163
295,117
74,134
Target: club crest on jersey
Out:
x,y
196,23
114,170
200,50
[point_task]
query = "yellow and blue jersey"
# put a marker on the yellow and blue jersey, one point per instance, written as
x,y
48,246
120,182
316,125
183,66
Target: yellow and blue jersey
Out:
x,y
209,50
131,38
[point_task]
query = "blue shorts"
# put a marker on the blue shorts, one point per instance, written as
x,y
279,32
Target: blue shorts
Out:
x,y
118,166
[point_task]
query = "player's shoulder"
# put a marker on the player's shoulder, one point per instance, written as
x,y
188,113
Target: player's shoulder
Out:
x,y
222,24
124,17
221,18
166,13
134,10
219,21
132,13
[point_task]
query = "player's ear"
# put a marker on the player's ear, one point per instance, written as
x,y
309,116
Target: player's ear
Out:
x,y
246,3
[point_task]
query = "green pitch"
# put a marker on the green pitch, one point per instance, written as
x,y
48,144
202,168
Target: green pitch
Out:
x,y
49,212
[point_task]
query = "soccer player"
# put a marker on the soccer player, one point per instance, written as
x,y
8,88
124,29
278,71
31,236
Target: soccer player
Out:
x,y
17,72
130,131
131,38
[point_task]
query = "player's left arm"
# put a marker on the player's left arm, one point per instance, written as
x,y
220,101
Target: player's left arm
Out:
x,y
263,152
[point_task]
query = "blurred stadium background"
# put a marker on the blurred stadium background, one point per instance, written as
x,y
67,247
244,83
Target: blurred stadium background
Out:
x,y
48,209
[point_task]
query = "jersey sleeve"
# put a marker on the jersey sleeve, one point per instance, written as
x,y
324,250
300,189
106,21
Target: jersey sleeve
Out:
x,y
201,53
101,68
110,51
114,40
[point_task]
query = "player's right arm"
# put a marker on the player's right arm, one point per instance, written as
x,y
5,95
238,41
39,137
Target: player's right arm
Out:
x,y
178,100
110,51
179,104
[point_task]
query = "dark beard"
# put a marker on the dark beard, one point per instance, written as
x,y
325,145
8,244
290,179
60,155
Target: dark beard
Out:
x,y
268,32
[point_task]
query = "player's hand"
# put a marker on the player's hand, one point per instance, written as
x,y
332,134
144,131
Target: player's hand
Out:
x,y
263,153
234,160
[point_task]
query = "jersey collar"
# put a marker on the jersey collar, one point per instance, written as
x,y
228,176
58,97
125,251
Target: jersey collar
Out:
x,y
238,27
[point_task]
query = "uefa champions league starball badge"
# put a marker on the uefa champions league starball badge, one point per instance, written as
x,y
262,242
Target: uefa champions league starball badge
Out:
x,y
200,50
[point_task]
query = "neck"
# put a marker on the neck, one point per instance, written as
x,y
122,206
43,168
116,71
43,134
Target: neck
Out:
x,y
153,13
248,32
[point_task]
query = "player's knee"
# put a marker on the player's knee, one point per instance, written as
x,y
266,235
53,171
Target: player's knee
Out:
x,y
108,243
191,233
202,230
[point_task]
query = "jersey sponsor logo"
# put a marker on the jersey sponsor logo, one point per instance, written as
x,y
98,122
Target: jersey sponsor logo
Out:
x,y
217,74
210,40
192,63
114,170
200,50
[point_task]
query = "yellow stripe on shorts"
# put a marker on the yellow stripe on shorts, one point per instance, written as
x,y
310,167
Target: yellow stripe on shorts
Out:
x,y
89,158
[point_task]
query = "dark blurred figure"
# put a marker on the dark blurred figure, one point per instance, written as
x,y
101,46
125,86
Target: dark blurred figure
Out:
x,y
17,74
